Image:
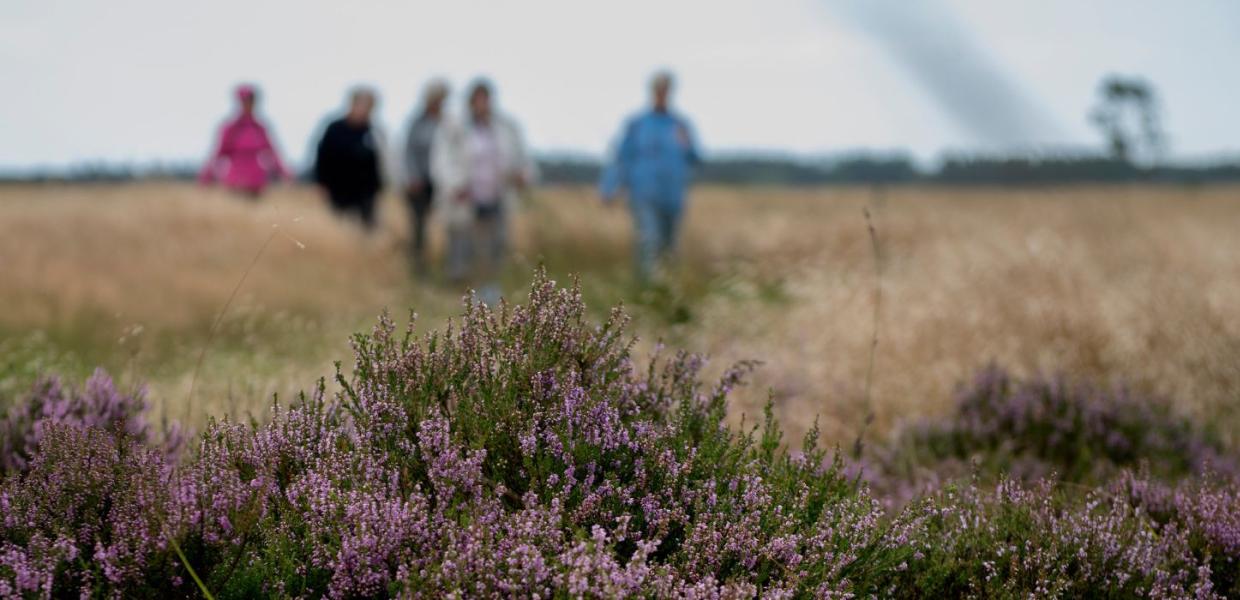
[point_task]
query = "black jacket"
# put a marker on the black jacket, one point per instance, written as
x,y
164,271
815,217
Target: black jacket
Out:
x,y
347,159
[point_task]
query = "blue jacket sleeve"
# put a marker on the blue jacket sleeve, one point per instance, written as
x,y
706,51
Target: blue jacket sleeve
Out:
x,y
616,173
692,155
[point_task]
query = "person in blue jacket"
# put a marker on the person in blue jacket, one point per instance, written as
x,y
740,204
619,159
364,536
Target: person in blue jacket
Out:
x,y
653,164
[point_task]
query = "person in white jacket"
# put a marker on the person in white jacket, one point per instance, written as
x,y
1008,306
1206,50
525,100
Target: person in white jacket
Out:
x,y
480,165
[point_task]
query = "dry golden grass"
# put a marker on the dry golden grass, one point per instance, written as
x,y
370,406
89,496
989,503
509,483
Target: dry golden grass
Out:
x,y
1140,284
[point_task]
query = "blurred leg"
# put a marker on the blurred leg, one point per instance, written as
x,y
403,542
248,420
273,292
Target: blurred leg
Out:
x,y
490,242
338,202
366,211
419,210
460,242
647,233
253,194
669,229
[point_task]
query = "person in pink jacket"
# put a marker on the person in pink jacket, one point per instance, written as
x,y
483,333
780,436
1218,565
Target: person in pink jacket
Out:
x,y
244,158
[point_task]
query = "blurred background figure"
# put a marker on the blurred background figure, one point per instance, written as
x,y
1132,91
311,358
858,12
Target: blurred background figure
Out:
x,y
653,163
419,186
244,157
480,166
347,163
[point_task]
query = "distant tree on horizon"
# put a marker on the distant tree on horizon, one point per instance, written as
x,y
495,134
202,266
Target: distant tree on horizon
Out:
x,y
1128,116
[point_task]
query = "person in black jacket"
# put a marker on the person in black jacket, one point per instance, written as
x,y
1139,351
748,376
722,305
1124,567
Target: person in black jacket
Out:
x,y
347,162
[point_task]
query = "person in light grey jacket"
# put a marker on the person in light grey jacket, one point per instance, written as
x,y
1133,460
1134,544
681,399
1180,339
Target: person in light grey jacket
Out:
x,y
480,165
419,185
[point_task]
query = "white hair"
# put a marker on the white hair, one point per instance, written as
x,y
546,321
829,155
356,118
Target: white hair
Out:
x,y
435,88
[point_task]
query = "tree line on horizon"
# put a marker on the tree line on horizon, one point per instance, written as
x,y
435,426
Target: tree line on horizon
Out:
x,y
773,169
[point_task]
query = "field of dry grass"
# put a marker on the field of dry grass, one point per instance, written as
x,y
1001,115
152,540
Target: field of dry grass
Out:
x,y
1139,284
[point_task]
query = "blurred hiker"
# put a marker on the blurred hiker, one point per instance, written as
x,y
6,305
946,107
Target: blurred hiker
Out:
x,y
480,166
244,158
419,185
348,161
653,163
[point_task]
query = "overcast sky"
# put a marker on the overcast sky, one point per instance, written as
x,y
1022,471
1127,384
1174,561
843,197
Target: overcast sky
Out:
x,y
143,80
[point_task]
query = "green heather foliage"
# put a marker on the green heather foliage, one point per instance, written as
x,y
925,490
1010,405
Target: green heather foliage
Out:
x,y
522,453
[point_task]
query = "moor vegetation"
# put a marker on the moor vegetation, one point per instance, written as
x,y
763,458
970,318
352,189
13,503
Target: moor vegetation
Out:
x,y
525,452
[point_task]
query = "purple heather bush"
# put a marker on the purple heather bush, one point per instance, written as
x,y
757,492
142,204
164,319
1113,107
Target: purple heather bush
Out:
x,y
97,405
522,453
1042,427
